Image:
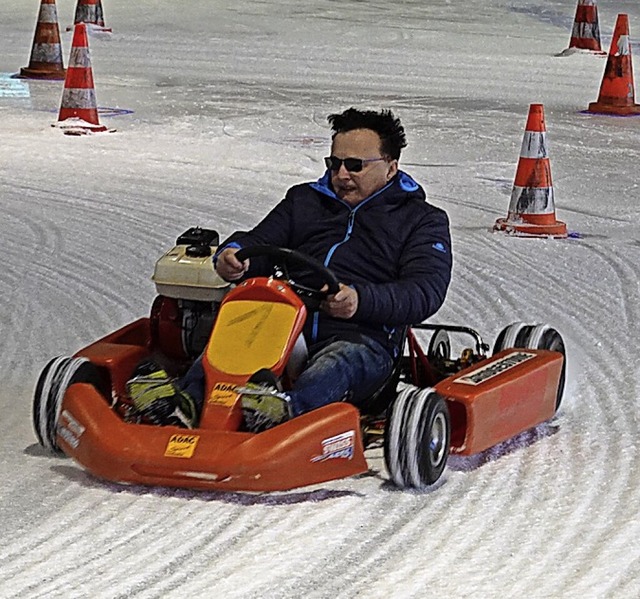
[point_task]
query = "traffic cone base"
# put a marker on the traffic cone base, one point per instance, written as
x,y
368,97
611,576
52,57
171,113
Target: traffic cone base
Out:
x,y
532,205
557,229
570,51
78,126
94,29
46,52
35,72
611,109
617,95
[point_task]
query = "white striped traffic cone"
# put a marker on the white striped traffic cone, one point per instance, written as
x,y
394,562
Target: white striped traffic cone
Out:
x,y
532,210
46,51
617,91
91,13
78,109
585,34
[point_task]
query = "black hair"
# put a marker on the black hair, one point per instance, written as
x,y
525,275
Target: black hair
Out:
x,y
387,126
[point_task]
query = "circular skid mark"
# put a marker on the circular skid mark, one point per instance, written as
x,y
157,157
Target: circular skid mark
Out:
x,y
607,114
306,141
500,183
102,111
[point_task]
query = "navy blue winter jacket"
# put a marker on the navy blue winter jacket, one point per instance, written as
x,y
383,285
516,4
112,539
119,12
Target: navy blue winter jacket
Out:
x,y
394,248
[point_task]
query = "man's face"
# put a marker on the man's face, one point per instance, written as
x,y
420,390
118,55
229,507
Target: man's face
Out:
x,y
353,187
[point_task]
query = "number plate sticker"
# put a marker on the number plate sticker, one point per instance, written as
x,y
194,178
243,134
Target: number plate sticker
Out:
x,y
480,375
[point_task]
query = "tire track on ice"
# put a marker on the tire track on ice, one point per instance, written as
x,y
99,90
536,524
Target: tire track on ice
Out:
x,y
258,571
601,383
493,487
34,308
178,542
585,504
476,281
550,287
356,537
616,392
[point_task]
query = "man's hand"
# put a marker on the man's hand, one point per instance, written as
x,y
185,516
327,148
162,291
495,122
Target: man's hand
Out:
x,y
343,304
229,267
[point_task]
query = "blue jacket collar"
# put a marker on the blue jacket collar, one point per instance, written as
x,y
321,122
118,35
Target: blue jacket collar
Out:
x,y
405,181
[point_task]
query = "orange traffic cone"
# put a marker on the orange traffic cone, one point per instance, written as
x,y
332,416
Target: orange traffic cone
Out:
x,y
617,95
585,34
91,13
46,52
532,209
78,110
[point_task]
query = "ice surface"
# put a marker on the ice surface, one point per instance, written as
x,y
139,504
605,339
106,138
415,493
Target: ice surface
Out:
x,y
219,107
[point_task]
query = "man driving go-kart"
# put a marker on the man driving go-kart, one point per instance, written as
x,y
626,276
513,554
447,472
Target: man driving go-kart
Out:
x,y
303,349
390,250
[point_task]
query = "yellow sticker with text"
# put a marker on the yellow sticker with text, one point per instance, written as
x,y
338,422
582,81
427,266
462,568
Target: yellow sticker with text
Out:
x,y
181,446
223,394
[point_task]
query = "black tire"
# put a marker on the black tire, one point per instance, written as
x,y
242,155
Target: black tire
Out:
x,y
417,438
56,377
534,336
507,337
439,351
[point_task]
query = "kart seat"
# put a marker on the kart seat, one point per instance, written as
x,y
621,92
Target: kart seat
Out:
x,y
378,402
375,404
297,359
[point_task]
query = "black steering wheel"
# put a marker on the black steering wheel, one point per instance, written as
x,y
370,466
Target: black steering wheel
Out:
x,y
283,256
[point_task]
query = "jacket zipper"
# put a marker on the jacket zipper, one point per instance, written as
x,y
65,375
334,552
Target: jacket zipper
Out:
x,y
316,314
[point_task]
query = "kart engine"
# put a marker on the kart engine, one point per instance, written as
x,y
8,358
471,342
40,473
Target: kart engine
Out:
x,y
189,295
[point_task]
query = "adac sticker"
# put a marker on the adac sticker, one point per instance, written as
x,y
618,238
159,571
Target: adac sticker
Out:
x,y
340,446
224,394
181,446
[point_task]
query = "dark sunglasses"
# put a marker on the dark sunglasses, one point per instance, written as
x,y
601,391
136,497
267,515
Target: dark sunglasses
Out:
x,y
353,165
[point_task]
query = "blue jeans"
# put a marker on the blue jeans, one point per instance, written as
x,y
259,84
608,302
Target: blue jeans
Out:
x,y
336,371
340,370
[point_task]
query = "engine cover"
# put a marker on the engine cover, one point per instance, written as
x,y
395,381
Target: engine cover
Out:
x,y
187,272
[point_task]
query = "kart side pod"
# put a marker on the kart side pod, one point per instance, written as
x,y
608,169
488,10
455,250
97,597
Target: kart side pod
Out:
x,y
500,397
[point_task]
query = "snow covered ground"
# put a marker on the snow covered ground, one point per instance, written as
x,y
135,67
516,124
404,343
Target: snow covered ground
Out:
x,y
228,104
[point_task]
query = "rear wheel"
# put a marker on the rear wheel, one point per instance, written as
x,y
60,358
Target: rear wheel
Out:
x,y
439,352
534,336
56,377
417,438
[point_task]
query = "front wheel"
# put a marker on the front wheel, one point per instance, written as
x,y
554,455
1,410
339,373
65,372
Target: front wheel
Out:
x,y
56,377
417,438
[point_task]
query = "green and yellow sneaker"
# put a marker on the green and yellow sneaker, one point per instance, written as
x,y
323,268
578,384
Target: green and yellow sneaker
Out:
x,y
263,406
157,399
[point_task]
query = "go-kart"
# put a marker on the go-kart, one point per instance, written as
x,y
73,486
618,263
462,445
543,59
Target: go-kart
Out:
x,y
431,406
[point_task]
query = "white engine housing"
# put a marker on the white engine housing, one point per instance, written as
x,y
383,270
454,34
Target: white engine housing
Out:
x,y
183,274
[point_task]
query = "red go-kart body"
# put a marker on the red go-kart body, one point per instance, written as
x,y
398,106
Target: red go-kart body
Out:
x,y
81,409
316,447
